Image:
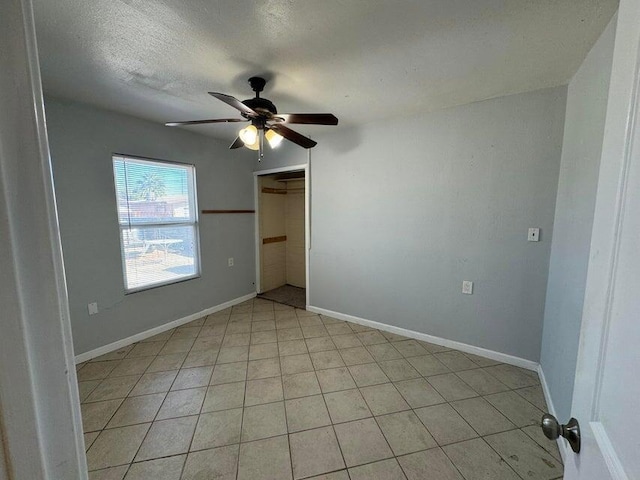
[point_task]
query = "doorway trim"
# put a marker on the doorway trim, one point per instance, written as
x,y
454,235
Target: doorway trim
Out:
x,y
41,435
307,220
613,201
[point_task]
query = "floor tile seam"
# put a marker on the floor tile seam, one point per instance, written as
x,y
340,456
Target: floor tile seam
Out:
x,y
152,422
453,463
293,354
244,399
286,422
184,463
107,422
442,395
504,459
85,401
371,415
474,428
185,453
412,410
335,434
137,450
466,383
451,443
528,437
369,406
306,395
142,356
143,374
395,457
515,390
106,427
414,453
461,369
504,414
424,406
558,457
205,396
487,369
156,415
387,440
189,388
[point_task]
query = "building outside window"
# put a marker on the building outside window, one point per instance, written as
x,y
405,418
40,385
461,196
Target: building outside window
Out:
x,y
158,217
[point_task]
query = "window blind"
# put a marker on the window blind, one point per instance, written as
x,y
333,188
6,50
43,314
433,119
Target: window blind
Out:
x,y
157,214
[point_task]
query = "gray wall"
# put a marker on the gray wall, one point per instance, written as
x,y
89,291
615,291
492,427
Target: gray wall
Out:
x,y
83,140
287,154
583,133
404,211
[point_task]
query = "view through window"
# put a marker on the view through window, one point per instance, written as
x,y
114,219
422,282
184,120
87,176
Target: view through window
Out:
x,y
158,221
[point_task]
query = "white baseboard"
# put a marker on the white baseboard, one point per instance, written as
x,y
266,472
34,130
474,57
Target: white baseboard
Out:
x,y
83,357
562,444
483,352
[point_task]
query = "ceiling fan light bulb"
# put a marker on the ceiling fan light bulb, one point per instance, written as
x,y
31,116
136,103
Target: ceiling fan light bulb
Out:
x,y
273,138
253,146
249,135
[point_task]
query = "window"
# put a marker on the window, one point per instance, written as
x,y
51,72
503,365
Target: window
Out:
x,y
158,220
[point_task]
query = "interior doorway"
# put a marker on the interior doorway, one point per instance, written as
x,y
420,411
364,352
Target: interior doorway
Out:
x,y
282,235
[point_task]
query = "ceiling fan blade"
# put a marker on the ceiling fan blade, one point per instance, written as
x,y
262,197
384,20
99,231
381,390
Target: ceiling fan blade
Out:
x,y
200,122
235,103
236,144
308,118
293,136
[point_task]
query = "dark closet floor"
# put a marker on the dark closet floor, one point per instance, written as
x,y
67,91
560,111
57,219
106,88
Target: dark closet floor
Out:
x,y
287,295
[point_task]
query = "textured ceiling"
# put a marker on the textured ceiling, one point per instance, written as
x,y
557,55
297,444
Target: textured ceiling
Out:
x,y
362,60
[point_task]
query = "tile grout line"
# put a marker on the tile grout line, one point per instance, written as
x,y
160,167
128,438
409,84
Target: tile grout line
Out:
x,y
333,428
286,423
244,401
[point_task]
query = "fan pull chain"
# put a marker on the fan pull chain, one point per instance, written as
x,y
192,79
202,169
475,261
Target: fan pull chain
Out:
x,y
261,145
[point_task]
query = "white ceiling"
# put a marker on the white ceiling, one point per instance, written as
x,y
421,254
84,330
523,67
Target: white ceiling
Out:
x,y
362,60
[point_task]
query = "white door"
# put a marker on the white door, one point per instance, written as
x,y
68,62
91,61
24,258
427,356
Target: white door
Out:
x,y
607,386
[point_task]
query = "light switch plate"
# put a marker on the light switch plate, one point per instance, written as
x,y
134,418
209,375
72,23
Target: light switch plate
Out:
x,y
467,287
533,235
93,308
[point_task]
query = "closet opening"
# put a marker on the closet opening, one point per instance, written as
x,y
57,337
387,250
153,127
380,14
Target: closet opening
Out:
x,y
282,227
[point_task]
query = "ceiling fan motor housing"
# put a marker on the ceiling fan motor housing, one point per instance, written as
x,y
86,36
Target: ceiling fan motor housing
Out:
x,y
258,104
262,106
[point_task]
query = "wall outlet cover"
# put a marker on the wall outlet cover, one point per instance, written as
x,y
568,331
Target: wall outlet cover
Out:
x,y
533,235
93,308
231,261
467,287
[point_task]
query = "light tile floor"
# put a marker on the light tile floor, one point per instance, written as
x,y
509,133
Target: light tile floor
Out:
x,y
265,391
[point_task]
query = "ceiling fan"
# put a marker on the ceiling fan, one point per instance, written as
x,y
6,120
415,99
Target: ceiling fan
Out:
x,y
266,122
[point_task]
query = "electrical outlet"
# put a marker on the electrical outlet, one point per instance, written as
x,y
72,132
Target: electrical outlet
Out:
x,y
533,235
93,308
231,261
467,287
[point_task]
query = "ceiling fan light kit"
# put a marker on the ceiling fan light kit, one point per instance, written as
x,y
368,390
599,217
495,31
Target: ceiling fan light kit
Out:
x,y
266,123
273,138
249,135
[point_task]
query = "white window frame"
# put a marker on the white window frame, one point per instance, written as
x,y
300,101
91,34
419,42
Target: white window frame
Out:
x,y
193,201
